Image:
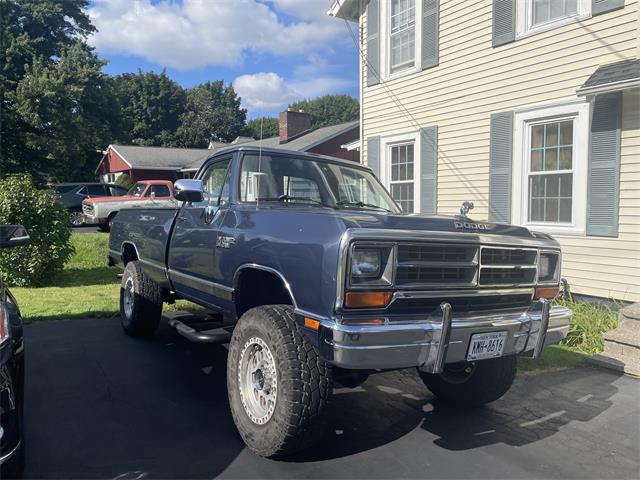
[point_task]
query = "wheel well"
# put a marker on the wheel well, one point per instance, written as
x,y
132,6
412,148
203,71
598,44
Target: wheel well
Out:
x,y
255,287
129,253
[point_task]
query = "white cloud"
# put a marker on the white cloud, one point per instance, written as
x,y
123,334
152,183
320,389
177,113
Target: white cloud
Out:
x,y
263,91
268,91
197,33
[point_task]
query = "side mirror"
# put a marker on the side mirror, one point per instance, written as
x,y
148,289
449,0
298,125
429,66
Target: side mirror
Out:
x,y
153,195
13,236
188,190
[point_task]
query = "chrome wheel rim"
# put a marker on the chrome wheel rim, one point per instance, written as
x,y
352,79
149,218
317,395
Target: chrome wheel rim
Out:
x,y
75,218
257,380
128,297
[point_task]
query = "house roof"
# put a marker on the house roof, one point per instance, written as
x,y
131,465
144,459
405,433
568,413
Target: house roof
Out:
x,y
302,143
160,157
612,77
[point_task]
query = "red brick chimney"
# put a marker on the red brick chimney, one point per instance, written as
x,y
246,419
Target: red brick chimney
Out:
x,y
292,124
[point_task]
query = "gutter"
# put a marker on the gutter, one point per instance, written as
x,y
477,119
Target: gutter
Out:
x,y
609,87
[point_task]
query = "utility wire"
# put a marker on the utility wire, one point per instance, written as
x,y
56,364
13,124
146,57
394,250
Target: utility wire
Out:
x,y
407,114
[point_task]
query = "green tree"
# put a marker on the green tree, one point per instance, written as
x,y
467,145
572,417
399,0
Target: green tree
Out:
x,y
213,112
47,223
151,105
30,31
329,109
125,181
270,127
70,113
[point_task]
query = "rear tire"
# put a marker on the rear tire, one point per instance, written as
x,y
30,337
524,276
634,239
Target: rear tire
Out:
x,y
278,385
140,302
473,384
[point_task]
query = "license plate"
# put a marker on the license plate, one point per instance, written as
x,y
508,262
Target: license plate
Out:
x,y
486,345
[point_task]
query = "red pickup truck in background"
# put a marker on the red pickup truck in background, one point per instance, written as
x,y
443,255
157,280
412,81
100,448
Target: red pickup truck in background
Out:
x,y
147,194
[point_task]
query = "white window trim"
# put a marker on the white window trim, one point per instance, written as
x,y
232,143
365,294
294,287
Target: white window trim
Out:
x,y
385,164
524,117
524,15
385,42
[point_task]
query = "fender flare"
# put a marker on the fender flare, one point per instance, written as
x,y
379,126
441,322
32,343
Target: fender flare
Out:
x,y
257,266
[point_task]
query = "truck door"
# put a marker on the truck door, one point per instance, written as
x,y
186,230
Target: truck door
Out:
x,y
192,249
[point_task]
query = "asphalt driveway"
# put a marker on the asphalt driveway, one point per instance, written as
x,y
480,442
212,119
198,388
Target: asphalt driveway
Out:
x,y
102,405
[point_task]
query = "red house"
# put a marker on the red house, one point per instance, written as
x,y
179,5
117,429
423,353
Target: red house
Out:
x,y
160,163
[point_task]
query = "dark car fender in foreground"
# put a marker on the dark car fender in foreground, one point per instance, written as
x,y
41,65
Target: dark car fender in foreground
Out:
x,y
11,369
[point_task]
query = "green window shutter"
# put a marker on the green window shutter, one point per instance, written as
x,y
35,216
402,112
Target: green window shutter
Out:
x,y
504,22
373,43
604,165
500,163
603,6
430,33
373,155
429,170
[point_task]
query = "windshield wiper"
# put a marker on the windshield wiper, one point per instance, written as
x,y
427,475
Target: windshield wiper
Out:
x,y
284,198
361,205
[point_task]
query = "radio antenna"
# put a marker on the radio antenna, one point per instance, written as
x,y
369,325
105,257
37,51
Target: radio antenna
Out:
x,y
259,161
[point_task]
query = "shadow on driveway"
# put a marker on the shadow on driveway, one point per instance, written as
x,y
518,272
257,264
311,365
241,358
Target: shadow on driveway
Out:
x,y
100,404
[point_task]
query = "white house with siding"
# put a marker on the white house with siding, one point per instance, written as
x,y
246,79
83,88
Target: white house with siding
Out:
x,y
528,108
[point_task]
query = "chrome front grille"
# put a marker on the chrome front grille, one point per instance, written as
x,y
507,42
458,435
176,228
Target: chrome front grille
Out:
x,y
464,265
87,209
437,264
508,266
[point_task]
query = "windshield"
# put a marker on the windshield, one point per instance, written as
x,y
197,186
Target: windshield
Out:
x,y
297,180
137,190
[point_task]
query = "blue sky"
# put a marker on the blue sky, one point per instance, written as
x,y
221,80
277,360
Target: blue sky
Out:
x,y
273,52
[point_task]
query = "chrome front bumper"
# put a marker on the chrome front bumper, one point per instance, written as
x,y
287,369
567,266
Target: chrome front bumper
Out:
x,y
442,338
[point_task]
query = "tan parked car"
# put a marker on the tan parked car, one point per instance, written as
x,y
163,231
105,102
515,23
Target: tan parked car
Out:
x,y
147,194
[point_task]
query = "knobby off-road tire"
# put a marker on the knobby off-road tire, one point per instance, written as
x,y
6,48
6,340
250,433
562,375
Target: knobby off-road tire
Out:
x,y
302,381
140,302
487,381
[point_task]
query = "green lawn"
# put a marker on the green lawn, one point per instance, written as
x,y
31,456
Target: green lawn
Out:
x,y
86,287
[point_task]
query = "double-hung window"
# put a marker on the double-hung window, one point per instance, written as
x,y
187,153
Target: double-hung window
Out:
x,y
402,35
401,179
550,172
550,167
539,15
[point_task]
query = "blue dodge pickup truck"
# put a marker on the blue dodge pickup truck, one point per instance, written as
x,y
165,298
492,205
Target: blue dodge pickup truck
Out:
x,y
318,275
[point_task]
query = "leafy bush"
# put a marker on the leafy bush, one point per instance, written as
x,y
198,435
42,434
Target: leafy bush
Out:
x,y
47,222
589,322
124,180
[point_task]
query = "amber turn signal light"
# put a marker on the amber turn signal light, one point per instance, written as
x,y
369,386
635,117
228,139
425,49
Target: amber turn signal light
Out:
x,y
546,292
311,323
367,299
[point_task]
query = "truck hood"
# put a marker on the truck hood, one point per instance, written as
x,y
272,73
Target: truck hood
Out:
x,y
433,223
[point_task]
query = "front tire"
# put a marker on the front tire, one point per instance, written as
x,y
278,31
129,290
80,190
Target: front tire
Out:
x,y
473,384
278,385
140,302
76,217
